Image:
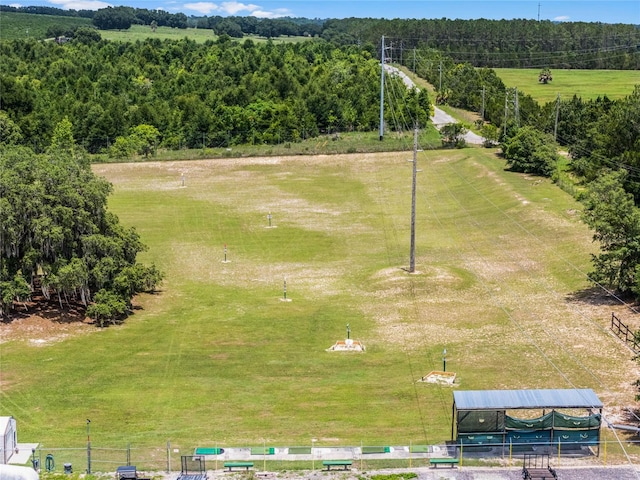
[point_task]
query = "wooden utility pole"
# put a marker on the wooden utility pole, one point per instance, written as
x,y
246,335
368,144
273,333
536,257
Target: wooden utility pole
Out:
x,y
412,253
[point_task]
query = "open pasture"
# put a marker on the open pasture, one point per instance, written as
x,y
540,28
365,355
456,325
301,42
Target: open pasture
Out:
x,y
199,35
587,84
219,358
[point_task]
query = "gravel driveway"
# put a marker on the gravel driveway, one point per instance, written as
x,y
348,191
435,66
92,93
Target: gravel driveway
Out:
x,y
439,118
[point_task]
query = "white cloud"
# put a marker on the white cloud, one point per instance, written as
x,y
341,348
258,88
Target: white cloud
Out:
x,y
203,7
80,4
562,18
278,12
233,8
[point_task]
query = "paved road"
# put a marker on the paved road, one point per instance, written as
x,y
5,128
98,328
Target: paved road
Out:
x,y
439,118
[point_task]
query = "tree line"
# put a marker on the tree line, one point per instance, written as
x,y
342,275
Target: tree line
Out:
x,y
516,43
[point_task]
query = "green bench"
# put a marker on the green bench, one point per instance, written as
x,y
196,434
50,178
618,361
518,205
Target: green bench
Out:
x,y
231,465
337,463
444,461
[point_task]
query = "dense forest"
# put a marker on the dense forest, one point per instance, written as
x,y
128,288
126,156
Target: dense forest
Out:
x,y
214,94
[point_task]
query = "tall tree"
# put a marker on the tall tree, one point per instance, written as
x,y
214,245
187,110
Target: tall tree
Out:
x,y
611,213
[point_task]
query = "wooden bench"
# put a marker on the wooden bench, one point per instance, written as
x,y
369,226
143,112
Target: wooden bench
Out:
x,y
337,463
231,465
444,461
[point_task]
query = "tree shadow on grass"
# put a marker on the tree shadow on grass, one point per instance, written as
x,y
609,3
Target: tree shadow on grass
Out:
x,y
598,297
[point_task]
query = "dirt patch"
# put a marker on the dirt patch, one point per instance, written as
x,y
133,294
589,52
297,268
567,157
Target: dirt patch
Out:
x,y
39,331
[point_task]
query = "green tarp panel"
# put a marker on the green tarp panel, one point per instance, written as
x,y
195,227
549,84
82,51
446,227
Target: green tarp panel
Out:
x,y
567,421
209,451
299,450
420,448
583,437
263,450
480,439
476,421
552,420
376,450
541,423
520,437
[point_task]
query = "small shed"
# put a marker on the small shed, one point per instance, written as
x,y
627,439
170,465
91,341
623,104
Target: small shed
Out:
x,y
487,417
9,442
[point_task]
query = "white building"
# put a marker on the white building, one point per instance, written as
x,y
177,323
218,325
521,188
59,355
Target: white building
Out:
x,y
9,441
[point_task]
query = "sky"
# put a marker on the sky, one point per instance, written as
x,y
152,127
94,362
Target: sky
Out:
x,y
606,11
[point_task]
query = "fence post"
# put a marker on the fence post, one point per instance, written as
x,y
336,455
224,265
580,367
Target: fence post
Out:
x,y
168,456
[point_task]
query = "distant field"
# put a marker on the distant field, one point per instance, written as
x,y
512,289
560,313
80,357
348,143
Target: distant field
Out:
x,y
218,358
15,25
588,84
199,35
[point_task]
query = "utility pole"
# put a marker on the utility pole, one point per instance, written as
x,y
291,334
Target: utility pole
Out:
x,y
412,253
506,112
538,11
440,83
517,108
414,59
555,126
382,90
482,112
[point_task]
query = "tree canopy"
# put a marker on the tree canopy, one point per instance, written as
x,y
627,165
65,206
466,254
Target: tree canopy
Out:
x,y
55,226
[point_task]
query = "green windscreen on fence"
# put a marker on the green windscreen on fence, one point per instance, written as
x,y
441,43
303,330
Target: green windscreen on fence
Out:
x,y
473,421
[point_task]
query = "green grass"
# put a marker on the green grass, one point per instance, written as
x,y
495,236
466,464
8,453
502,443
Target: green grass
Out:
x,y
588,84
199,35
218,359
14,25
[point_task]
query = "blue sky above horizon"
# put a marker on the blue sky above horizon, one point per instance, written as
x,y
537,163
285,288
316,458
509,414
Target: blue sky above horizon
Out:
x,y
612,11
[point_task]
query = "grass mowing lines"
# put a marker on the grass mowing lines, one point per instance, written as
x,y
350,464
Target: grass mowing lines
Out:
x,y
219,357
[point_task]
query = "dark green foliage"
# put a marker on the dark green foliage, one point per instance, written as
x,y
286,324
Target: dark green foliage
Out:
x,y
453,135
217,94
611,213
114,18
531,151
499,43
54,225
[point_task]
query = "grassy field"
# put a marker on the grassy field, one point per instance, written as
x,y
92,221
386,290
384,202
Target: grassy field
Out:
x,y
588,84
15,25
199,35
218,358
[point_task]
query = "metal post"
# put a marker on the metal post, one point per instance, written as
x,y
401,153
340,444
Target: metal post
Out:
x,y
382,90
225,252
555,126
348,331
412,253
313,457
444,360
284,291
88,446
168,456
